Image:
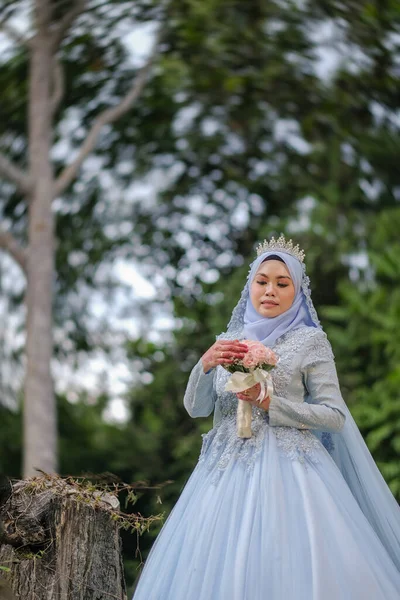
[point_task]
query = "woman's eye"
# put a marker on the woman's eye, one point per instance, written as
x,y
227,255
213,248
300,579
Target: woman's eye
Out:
x,y
281,285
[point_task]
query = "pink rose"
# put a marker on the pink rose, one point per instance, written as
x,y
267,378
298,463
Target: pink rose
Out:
x,y
258,354
249,361
271,357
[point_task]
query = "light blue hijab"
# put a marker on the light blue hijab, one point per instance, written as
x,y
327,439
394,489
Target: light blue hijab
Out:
x,y
268,330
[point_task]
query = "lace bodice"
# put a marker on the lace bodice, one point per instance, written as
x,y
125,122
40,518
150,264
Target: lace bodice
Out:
x,y
306,398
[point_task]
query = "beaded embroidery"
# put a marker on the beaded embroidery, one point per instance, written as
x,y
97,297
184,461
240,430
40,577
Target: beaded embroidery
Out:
x,y
287,347
221,444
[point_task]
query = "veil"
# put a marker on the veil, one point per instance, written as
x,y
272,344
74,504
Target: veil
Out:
x,y
347,448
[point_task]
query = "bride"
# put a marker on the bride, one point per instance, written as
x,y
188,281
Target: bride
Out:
x,y
299,511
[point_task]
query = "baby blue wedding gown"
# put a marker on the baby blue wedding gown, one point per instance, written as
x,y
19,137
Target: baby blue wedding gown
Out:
x,y
297,512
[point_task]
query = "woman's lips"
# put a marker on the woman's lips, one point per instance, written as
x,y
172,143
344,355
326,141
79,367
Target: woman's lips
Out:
x,y
269,303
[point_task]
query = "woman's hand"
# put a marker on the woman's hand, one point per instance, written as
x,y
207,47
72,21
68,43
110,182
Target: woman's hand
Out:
x,y
223,352
251,396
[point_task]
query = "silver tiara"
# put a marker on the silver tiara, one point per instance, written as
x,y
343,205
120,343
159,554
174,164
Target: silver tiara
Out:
x,y
281,245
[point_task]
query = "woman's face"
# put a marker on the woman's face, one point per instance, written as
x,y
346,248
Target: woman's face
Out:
x,y
272,290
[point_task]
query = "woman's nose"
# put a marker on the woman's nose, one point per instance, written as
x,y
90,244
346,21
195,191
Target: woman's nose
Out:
x,y
269,289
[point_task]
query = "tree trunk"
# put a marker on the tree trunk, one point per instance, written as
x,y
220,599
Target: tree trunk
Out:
x,y
60,544
40,426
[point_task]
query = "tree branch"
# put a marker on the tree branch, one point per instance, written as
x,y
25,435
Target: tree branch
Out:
x,y
65,23
13,247
58,85
108,116
15,175
42,16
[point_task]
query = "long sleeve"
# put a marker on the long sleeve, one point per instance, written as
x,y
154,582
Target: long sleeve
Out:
x,y
323,408
200,395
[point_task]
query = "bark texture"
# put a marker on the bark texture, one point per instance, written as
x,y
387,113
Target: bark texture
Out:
x,y
40,423
59,546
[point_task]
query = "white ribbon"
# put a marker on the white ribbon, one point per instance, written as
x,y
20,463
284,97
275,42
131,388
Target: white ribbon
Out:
x,y
239,382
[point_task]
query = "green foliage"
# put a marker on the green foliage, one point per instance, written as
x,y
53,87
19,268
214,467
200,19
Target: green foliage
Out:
x,y
364,333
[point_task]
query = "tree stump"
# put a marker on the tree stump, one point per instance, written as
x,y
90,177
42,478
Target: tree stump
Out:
x,y
60,542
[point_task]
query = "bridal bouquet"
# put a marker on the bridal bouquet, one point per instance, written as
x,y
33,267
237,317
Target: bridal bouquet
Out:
x,y
253,368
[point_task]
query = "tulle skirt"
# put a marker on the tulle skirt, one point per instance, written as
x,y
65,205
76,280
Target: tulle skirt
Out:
x,y
279,529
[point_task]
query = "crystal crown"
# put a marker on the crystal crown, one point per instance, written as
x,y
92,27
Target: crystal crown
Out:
x,y
281,245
